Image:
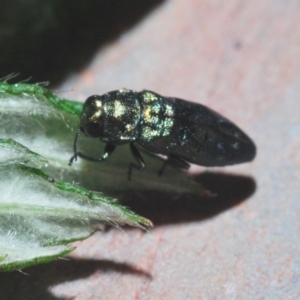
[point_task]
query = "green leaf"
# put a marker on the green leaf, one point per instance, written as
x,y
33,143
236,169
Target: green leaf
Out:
x,y
39,216
41,209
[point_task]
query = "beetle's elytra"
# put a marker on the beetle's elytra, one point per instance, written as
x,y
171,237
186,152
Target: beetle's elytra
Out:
x,y
185,132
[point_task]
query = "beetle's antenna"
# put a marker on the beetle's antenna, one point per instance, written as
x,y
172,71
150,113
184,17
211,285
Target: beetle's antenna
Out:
x,y
74,157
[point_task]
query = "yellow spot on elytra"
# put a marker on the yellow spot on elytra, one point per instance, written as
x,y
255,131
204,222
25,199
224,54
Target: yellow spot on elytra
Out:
x,y
124,91
98,104
149,97
119,109
169,111
167,126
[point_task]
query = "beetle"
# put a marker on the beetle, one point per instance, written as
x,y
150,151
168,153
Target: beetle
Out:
x,y
183,131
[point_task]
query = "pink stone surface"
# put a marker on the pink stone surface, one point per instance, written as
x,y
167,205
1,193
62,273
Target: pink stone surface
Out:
x,y
241,58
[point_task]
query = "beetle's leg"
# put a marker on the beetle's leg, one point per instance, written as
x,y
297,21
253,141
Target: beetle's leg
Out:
x,y
138,157
175,161
108,150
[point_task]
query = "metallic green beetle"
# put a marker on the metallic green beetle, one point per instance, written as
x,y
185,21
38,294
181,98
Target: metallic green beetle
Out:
x,y
185,132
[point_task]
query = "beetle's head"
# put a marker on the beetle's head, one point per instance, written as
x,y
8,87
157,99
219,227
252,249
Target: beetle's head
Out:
x,y
91,123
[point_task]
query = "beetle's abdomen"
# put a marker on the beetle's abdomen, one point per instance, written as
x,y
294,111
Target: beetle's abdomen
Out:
x,y
208,139
191,131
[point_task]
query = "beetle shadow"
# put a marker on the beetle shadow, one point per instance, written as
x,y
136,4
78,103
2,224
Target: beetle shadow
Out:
x,y
49,39
164,208
34,284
